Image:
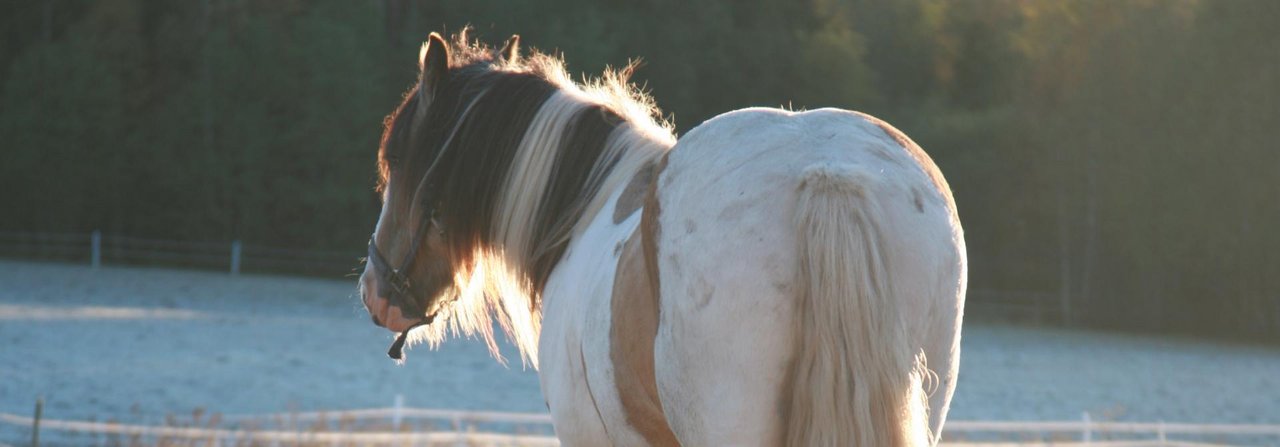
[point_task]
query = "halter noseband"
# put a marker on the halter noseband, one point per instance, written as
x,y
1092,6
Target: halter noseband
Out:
x,y
395,281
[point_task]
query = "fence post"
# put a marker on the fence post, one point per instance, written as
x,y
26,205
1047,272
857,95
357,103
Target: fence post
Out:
x,y
397,412
235,257
95,249
1087,435
1160,432
457,428
35,424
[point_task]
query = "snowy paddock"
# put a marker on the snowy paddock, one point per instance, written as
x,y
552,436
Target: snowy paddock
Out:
x,y
136,344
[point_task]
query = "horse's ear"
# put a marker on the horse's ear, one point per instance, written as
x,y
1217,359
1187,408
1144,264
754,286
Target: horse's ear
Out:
x,y
433,60
511,50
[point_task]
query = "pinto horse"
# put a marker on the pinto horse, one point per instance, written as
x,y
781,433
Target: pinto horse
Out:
x,y
772,277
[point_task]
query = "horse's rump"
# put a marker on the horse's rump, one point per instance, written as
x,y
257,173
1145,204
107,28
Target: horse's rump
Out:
x,y
808,265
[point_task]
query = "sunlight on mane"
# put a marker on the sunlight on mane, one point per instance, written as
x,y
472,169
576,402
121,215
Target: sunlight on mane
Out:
x,y
612,88
486,291
494,288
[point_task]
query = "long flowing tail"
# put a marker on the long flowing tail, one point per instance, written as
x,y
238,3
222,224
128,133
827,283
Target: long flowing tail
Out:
x,y
857,378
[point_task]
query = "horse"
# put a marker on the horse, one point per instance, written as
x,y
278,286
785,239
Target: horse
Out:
x,y
771,277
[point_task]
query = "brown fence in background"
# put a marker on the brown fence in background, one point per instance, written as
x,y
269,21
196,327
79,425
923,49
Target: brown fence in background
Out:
x,y
1019,306
97,249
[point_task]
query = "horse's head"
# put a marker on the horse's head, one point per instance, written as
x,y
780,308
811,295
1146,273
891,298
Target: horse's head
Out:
x,y
421,235
487,169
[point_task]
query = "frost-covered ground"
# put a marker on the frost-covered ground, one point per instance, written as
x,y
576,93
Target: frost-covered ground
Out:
x,y
139,343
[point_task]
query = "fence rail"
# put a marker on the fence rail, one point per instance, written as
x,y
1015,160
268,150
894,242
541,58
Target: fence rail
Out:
x,y
234,256
302,430
97,248
1031,306
222,436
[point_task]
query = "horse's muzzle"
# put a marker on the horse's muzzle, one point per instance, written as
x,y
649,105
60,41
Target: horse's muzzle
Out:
x,y
381,310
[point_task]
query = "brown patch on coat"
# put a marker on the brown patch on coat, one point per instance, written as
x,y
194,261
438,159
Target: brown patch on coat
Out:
x,y
921,158
635,324
882,153
894,133
633,196
649,228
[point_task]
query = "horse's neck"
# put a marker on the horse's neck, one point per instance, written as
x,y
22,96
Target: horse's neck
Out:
x,y
574,157
569,164
628,180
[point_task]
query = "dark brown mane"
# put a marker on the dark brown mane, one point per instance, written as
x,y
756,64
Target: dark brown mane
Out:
x,y
463,151
462,54
509,159
483,114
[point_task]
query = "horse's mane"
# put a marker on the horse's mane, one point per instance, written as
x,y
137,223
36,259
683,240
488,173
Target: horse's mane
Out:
x,y
612,89
528,157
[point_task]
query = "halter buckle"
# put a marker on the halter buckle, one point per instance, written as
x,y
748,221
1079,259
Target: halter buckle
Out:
x,y
398,282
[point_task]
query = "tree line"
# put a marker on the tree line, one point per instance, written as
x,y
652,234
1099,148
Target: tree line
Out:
x,y
1120,156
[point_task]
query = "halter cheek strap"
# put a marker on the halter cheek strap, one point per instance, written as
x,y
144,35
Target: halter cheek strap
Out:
x,y
394,282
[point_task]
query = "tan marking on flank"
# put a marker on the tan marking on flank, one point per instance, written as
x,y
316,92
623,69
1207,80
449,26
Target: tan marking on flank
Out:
x,y
635,324
649,228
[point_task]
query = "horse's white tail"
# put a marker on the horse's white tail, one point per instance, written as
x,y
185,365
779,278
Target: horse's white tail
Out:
x,y
856,380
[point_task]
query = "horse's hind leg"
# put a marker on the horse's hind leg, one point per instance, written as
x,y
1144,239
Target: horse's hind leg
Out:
x,y
725,332
721,362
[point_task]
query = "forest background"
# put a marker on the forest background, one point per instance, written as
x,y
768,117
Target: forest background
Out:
x,y
1122,157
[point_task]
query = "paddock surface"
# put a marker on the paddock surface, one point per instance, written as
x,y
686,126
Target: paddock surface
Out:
x,y
135,344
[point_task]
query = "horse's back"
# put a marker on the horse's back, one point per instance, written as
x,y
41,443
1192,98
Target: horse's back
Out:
x,y
727,253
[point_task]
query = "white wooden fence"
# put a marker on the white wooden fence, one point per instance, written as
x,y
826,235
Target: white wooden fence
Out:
x,y
464,429
1101,433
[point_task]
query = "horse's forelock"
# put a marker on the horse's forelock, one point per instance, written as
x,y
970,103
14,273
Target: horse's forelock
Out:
x,y
394,126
